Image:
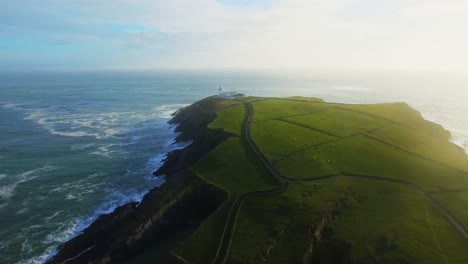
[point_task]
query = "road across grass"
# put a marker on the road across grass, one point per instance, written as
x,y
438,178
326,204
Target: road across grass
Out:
x,y
226,239
224,245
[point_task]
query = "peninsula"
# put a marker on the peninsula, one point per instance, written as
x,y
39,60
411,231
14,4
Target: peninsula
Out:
x,y
294,180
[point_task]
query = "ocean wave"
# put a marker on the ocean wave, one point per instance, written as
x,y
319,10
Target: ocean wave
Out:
x,y
116,195
26,247
72,228
107,150
64,232
166,111
97,125
7,191
77,190
115,198
31,227
9,105
53,215
81,146
2,176
80,196
23,210
48,253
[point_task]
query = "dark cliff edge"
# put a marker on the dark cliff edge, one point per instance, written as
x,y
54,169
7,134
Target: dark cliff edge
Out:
x,y
192,124
184,199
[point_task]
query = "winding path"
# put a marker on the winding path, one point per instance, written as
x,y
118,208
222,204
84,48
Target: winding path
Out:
x,y
224,245
283,178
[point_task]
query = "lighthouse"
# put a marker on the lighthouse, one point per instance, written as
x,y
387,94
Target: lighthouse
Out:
x,y
220,90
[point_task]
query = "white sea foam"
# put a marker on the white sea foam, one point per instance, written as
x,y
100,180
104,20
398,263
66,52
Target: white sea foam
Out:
x,y
81,146
9,105
26,247
31,227
116,198
97,125
109,125
107,150
53,216
75,226
7,191
23,211
166,111
156,161
2,176
64,232
71,197
78,190
48,253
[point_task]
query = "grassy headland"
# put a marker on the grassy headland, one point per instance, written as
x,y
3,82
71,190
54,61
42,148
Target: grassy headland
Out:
x,y
294,180
358,184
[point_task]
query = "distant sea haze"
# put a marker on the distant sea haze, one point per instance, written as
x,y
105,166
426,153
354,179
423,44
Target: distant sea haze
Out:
x,y
76,145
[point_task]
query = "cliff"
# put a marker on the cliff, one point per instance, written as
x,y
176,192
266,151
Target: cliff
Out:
x,y
183,200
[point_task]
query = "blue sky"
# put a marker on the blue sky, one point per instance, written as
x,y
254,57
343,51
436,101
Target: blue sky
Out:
x,y
146,34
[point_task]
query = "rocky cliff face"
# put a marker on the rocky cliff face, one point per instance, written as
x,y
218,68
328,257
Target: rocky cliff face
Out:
x,y
192,123
183,200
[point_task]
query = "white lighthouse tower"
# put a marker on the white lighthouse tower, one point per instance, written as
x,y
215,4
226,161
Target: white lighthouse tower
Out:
x,y
220,90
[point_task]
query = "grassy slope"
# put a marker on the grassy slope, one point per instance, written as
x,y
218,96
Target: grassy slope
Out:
x,y
457,203
424,143
339,122
230,167
287,138
230,119
233,167
276,108
366,156
385,222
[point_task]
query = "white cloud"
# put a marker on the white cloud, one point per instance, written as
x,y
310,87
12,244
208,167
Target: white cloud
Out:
x,y
393,34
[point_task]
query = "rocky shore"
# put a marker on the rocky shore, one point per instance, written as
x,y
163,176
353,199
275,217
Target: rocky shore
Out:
x,y
182,200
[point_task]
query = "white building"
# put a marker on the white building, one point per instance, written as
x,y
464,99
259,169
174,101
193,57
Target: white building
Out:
x,y
228,95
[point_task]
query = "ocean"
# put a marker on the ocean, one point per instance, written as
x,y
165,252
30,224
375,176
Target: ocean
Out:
x,y
76,145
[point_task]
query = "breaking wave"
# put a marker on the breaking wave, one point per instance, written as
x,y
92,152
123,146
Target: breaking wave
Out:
x,y
98,125
7,191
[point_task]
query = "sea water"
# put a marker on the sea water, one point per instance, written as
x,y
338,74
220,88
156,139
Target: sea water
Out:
x,y
76,145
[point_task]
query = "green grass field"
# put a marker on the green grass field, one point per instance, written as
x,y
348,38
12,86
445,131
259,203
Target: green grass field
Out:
x,y
373,221
385,223
457,203
423,143
400,113
277,108
339,122
230,119
232,167
366,156
287,138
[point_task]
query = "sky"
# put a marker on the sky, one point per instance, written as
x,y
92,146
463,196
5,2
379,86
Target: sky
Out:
x,y
206,34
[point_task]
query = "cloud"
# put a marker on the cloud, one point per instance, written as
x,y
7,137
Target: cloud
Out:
x,y
387,34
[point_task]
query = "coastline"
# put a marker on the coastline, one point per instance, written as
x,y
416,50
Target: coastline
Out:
x,y
180,203
134,226
458,140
